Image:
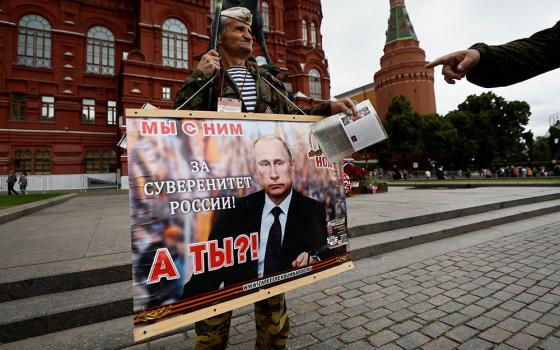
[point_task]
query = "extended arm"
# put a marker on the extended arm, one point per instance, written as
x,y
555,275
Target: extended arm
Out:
x,y
507,64
502,65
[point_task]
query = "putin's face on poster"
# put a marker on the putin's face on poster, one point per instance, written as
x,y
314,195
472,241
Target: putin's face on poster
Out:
x,y
274,168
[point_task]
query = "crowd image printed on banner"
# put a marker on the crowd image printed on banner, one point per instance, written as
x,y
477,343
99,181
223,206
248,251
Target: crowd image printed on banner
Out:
x,y
223,208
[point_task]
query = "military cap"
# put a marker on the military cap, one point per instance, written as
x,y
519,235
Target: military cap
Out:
x,y
239,13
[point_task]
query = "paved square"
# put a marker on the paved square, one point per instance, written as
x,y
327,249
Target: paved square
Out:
x,y
502,293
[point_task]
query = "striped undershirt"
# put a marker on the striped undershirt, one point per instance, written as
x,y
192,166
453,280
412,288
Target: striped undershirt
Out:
x,y
245,82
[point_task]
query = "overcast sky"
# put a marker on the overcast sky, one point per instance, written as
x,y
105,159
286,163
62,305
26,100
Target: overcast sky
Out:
x,y
354,37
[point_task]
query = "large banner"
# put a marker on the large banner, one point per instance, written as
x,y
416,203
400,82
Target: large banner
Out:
x,y
227,209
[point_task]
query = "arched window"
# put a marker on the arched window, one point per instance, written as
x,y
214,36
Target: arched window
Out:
x,y
33,161
175,45
313,35
100,161
23,160
315,90
42,162
265,16
100,51
304,31
34,42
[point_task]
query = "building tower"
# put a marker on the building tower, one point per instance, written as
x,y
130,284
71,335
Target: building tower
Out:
x,y
402,66
305,59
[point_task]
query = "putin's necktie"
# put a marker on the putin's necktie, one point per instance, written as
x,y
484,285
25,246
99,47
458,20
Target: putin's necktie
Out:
x,y
274,244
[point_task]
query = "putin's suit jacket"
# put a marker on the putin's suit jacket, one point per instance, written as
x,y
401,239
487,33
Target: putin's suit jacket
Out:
x,y
305,231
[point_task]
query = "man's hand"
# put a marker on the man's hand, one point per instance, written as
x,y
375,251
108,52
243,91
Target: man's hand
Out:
x,y
345,105
209,63
456,64
303,260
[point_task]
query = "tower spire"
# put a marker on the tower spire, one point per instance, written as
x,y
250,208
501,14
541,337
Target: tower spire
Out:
x,y
402,66
399,24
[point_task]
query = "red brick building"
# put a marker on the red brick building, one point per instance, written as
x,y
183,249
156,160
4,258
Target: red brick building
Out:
x,y
70,67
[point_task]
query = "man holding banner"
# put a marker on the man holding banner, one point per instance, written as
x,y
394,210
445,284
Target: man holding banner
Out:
x,y
292,232
242,86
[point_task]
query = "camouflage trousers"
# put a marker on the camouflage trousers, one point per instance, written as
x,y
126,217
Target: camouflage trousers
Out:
x,y
271,318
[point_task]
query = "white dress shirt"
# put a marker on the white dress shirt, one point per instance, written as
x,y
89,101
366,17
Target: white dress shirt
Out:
x,y
267,219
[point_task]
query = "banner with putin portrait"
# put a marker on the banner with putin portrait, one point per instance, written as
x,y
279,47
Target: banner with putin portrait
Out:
x,y
227,209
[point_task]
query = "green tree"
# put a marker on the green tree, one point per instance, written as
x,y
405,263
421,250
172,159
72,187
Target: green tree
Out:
x,y
511,127
529,140
466,147
553,134
399,105
440,138
541,149
404,127
490,128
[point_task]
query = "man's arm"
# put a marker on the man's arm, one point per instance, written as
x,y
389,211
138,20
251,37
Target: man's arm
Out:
x,y
192,85
510,63
209,64
326,108
502,65
329,108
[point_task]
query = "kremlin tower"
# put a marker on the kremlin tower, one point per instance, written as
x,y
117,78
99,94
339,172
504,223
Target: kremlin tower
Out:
x,y
402,66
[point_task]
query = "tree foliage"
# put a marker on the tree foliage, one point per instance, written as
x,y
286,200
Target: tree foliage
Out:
x,y
554,134
405,127
483,130
541,149
496,126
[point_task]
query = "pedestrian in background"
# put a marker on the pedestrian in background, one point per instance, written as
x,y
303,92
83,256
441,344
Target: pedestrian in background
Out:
x,y
428,174
23,182
12,179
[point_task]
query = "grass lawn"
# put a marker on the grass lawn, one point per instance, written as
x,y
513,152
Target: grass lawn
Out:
x,y
11,201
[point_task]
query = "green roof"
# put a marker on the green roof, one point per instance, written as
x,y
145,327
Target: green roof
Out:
x,y
400,27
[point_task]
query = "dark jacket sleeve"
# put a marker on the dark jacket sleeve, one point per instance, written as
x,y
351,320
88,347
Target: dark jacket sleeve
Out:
x,y
272,93
510,63
191,86
278,98
323,109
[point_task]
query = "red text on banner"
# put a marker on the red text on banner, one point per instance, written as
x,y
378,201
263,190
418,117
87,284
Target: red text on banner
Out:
x,y
162,266
217,257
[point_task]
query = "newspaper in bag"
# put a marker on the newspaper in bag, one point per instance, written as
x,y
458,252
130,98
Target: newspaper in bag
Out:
x,y
340,135
123,142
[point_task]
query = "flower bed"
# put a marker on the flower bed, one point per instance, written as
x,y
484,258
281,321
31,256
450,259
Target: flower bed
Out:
x,y
358,180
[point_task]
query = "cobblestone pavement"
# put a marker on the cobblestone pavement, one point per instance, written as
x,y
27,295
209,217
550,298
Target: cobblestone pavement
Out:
x,y
502,294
